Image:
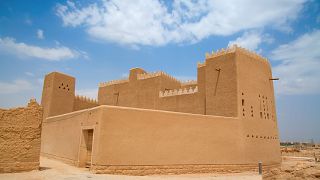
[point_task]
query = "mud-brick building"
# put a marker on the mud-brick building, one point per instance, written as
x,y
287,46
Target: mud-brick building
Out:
x,y
152,123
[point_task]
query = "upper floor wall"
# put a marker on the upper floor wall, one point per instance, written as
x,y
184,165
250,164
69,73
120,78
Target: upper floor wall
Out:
x,y
226,81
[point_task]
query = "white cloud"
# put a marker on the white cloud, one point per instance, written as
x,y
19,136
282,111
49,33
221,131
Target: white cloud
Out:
x,y
28,21
40,34
92,93
29,74
152,23
252,40
23,50
15,87
299,65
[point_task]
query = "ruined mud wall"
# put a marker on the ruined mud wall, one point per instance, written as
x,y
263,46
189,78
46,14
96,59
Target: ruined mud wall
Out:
x,y
20,132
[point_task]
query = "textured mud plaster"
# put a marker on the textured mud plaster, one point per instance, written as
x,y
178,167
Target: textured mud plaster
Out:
x,y
20,132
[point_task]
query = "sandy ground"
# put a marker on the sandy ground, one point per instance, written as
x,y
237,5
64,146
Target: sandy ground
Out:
x,y
298,165
297,168
53,169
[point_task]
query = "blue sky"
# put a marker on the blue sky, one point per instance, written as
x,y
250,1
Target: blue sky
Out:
x,y
97,41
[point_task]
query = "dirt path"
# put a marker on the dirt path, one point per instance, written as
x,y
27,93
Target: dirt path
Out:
x,y
53,169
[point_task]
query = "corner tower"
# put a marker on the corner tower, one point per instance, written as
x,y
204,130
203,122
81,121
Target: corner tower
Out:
x,y
57,94
256,108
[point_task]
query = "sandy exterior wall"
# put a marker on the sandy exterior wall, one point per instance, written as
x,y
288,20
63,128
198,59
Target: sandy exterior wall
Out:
x,y
80,103
20,133
61,135
144,93
141,141
58,94
150,137
257,108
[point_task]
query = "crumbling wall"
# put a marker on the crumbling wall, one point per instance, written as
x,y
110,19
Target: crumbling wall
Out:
x,y
20,132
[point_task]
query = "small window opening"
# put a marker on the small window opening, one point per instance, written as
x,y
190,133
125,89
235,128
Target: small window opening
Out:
x,y
242,102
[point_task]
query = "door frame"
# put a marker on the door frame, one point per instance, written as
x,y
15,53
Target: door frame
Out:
x,y
83,152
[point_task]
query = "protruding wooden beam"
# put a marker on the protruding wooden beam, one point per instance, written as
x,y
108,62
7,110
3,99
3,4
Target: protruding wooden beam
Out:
x,y
274,79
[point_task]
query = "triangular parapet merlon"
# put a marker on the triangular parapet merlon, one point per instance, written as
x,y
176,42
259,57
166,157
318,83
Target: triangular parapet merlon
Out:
x,y
232,49
176,92
119,81
252,54
189,82
149,75
201,64
86,99
220,52
156,74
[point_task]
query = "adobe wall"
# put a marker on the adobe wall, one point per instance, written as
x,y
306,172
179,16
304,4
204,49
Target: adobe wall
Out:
x,y
216,89
141,141
257,106
58,94
82,102
188,102
151,137
142,91
221,85
61,134
139,90
20,132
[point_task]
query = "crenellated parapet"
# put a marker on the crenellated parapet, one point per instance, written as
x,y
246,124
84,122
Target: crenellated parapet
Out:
x,y
176,92
108,83
86,99
221,52
189,82
156,74
252,54
201,64
232,49
149,75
